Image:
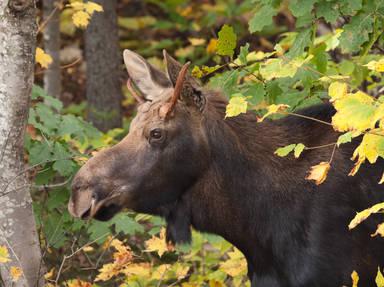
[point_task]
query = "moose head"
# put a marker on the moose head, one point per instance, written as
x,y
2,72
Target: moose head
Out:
x,y
163,154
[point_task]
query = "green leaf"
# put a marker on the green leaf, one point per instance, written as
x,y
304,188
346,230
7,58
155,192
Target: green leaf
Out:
x,y
254,93
125,224
40,152
302,41
227,41
237,105
301,7
328,10
344,138
356,33
262,18
299,149
284,151
63,165
99,230
244,50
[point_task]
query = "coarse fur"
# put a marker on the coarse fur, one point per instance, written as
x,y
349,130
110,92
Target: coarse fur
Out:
x,y
220,175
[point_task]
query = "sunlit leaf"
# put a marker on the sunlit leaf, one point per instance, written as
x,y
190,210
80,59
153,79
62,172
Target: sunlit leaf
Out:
x,y
299,149
377,66
319,172
379,278
284,151
363,215
158,244
337,91
379,230
16,273
236,106
4,254
355,278
81,19
43,58
227,41
273,109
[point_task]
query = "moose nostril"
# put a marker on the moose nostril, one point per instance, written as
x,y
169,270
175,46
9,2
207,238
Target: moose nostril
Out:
x,y
94,196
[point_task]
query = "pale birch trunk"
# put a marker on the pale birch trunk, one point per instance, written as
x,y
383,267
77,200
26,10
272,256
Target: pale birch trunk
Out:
x,y
17,223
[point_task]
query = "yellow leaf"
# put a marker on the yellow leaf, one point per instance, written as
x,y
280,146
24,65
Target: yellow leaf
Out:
x,y
355,112
77,5
88,249
377,66
161,271
355,278
379,278
236,264
379,230
142,270
158,244
319,172
214,283
108,271
273,109
212,46
79,283
15,272
382,179
123,254
49,275
337,90
81,19
42,58
4,254
196,41
92,7
236,106
363,215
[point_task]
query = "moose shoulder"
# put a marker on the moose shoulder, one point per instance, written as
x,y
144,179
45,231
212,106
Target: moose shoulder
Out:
x,y
182,160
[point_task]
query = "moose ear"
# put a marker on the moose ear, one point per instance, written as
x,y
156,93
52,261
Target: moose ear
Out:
x,y
191,92
151,82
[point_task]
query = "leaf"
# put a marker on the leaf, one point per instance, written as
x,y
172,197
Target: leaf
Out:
x,y
356,33
226,43
43,58
319,172
212,46
196,41
379,278
377,66
328,10
355,278
158,244
284,151
299,149
344,138
244,51
236,264
81,19
337,91
262,18
354,112
273,109
236,106
281,68
78,283
49,274
363,215
303,39
92,7
301,7
379,231
124,223
4,254
16,273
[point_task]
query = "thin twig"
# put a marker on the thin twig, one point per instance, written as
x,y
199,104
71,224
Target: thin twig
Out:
x,y
308,118
54,10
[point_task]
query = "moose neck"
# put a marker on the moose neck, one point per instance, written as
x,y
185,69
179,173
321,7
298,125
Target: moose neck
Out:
x,y
233,198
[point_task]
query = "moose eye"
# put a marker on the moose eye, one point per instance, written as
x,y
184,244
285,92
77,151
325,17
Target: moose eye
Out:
x,y
156,134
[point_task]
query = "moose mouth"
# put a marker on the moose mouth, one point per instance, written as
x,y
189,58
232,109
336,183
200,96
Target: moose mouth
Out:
x,y
102,210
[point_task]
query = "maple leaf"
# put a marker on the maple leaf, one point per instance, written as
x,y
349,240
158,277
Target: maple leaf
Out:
x,y
212,46
81,19
16,273
273,109
79,283
236,106
107,271
236,264
4,254
319,172
355,278
123,254
43,58
143,270
158,244
363,215
92,7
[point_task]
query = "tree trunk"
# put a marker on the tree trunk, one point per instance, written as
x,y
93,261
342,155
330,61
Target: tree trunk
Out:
x,y
52,76
17,224
103,68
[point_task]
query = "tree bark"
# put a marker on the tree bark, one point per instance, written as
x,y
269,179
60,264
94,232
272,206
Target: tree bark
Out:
x,y
17,224
103,68
52,76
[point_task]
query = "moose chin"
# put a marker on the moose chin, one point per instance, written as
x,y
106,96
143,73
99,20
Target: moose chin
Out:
x,y
183,160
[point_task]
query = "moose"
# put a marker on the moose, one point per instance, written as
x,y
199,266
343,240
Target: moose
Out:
x,y
184,161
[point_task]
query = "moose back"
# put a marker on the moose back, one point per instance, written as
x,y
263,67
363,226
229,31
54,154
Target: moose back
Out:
x,y
184,161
